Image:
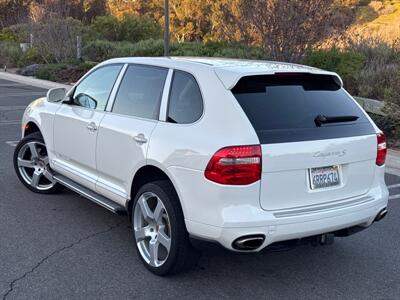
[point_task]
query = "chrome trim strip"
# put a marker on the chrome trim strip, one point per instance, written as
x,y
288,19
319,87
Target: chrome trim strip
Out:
x,y
111,189
321,208
165,96
72,170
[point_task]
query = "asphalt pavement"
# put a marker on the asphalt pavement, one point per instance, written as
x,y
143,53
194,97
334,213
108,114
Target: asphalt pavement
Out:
x,y
65,247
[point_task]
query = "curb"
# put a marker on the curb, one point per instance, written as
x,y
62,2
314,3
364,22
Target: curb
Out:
x,y
40,83
393,162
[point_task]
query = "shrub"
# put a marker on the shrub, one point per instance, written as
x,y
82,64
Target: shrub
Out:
x,y
347,64
17,33
130,28
56,39
30,57
101,50
7,36
107,27
137,28
9,54
64,72
98,50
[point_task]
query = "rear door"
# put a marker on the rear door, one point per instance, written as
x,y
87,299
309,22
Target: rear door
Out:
x,y
317,144
124,133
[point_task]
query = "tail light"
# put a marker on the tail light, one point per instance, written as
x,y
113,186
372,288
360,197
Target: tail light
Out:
x,y
382,149
237,165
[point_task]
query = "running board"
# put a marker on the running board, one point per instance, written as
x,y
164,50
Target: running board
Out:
x,y
89,194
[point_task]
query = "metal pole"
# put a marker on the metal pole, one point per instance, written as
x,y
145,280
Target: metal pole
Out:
x,y
78,47
166,28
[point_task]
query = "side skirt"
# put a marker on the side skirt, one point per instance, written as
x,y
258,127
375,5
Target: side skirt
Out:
x,y
91,195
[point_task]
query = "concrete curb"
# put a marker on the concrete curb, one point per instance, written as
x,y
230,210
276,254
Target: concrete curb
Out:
x,y
45,84
371,105
393,162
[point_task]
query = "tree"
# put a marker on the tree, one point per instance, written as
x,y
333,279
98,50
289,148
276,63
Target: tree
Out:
x,y
13,12
287,29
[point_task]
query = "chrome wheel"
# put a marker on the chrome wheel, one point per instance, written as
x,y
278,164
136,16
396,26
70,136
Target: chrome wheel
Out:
x,y
152,229
33,166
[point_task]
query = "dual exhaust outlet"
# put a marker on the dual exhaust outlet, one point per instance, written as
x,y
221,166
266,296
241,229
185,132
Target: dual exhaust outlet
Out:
x,y
248,242
255,241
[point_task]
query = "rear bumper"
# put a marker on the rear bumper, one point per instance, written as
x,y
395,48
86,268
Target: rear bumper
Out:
x,y
277,227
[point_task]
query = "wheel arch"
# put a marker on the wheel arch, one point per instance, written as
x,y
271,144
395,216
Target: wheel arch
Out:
x,y
29,128
146,174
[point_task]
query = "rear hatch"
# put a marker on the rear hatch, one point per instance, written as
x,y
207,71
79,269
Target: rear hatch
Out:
x,y
317,144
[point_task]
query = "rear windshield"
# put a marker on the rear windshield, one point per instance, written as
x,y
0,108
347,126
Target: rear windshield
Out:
x,y
283,108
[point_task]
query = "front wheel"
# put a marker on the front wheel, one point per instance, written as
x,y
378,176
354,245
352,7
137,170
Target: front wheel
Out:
x,y
162,241
31,163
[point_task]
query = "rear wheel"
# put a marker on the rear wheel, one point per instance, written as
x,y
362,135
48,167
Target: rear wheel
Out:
x,y
162,241
31,163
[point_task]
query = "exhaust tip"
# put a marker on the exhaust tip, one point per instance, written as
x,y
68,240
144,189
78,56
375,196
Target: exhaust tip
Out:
x,y
381,215
248,242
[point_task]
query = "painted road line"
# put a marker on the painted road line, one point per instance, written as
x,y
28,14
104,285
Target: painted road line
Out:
x,y
12,143
23,94
17,122
394,197
12,85
392,171
11,108
393,186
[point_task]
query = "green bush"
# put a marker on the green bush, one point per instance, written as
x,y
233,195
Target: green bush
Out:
x,y
30,57
347,64
98,50
137,28
64,73
382,82
16,33
101,50
7,36
130,28
9,54
107,27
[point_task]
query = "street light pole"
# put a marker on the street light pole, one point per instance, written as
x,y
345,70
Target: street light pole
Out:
x,y
166,28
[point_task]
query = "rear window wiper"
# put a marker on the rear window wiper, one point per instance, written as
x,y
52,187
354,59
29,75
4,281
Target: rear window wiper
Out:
x,y
321,119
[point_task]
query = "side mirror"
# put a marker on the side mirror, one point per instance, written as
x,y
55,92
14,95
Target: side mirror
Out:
x,y
56,95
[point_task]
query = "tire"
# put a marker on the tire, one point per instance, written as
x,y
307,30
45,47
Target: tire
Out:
x,y
31,164
168,221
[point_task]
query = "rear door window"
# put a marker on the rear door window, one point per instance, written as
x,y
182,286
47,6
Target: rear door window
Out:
x,y
140,92
283,108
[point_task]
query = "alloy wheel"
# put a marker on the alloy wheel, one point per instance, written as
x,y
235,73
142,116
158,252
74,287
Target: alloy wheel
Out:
x,y
152,229
33,165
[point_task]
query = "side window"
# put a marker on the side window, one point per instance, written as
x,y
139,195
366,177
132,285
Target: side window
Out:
x,y
185,101
94,90
140,92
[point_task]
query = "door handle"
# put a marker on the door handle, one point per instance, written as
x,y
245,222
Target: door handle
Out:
x,y
140,138
92,126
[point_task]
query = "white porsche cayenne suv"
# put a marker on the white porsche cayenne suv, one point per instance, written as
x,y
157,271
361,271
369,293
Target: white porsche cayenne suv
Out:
x,y
245,154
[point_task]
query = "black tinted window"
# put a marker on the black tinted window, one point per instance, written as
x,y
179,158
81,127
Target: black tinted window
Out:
x,y
283,108
140,92
185,101
94,90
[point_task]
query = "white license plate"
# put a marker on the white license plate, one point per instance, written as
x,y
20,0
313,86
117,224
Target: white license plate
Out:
x,y
324,177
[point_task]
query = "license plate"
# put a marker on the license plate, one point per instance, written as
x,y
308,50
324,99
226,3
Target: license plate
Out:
x,y
324,177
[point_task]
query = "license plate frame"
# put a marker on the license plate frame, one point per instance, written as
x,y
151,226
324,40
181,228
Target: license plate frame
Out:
x,y
328,177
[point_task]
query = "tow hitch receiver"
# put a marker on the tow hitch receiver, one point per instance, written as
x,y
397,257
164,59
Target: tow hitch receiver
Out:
x,y
323,239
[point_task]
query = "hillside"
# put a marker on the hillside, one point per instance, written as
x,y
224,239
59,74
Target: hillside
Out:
x,y
377,19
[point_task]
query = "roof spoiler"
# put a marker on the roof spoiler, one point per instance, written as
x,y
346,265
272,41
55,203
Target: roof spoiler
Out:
x,y
230,78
